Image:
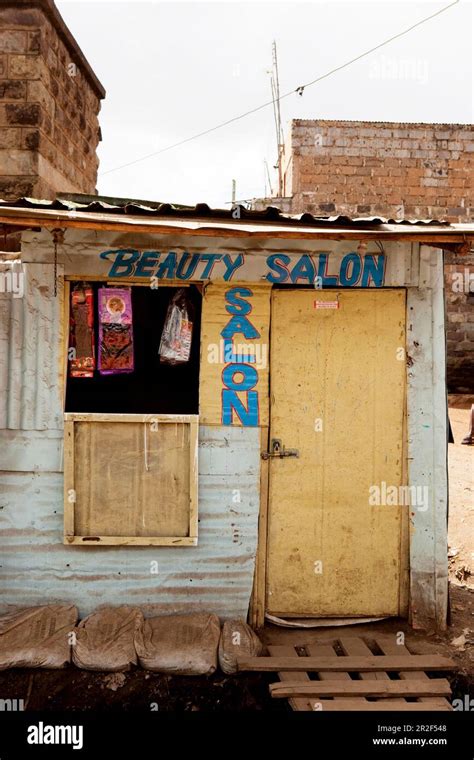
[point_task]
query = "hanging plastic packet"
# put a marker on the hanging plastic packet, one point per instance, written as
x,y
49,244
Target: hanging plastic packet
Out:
x,y
176,338
81,331
115,331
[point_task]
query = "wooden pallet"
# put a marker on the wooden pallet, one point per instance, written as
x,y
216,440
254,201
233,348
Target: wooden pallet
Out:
x,y
350,676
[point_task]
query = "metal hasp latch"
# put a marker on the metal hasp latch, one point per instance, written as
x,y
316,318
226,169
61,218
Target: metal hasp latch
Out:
x,y
277,450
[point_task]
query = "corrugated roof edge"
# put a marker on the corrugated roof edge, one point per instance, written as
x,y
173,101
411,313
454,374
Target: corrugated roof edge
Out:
x,y
202,210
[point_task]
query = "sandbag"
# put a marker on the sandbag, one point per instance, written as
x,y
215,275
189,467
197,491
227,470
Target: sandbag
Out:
x,y
37,637
181,644
237,640
105,639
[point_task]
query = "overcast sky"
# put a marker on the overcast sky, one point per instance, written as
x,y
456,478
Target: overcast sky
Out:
x,y
173,69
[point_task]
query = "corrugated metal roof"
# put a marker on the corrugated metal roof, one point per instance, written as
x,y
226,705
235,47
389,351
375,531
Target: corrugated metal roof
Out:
x,y
156,209
201,220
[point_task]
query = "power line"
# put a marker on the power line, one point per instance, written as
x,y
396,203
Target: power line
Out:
x,y
299,90
377,47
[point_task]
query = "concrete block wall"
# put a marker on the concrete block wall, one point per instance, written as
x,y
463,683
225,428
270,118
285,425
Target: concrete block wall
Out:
x,y
394,170
415,171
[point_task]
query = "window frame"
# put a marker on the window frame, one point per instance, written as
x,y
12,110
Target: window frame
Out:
x,y
70,536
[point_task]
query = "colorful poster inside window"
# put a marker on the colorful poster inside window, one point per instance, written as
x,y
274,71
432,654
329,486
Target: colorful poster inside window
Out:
x,y
81,332
115,331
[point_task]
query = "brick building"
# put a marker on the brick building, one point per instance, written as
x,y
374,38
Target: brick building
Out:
x,y
49,105
413,171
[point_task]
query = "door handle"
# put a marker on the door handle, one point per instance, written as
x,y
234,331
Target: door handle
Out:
x,y
279,451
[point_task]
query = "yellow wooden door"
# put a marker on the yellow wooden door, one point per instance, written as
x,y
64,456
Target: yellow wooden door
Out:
x,y
337,396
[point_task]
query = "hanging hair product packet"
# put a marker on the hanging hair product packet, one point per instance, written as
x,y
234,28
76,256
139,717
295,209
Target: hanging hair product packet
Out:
x,y
176,338
81,331
115,331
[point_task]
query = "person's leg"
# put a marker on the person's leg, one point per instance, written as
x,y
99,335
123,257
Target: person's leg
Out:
x,y
469,439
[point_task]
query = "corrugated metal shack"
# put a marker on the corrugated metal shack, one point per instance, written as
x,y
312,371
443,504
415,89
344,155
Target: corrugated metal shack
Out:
x,y
296,467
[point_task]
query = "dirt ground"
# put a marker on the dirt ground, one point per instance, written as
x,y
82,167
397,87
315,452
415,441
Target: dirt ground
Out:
x,y
461,495
137,690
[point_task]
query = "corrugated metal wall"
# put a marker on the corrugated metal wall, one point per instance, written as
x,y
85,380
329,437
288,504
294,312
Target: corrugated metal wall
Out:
x,y
29,354
35,566
216,575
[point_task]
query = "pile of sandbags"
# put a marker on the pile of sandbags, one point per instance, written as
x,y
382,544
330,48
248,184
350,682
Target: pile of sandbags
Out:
x,y
118,638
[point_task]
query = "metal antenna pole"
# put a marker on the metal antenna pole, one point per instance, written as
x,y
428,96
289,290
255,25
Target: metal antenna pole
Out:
x,y
277,112
268,178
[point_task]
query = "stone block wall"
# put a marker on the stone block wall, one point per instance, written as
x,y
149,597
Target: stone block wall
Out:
x,y
49,105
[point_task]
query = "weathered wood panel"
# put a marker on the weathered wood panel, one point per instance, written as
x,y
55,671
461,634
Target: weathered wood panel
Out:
x,y
131,479
216,258
247,307
427,444
338,392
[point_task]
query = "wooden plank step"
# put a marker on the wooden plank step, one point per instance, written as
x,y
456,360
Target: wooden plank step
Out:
x,y
348,704
327,650
355,646
389,646
299,704
348,664
434,687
